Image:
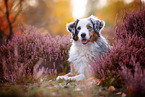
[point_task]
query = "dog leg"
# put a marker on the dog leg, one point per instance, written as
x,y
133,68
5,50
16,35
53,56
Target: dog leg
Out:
x,y
62,77
77,77
65,77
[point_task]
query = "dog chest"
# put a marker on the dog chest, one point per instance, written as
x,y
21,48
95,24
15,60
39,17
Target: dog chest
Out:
x,y
80,57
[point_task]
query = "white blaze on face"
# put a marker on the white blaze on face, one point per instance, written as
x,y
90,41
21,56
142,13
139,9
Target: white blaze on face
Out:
x,y
83,25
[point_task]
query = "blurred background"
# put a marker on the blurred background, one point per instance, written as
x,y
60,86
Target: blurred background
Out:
x,y
51,16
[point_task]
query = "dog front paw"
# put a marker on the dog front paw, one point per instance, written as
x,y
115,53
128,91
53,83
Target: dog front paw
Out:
x,y
62,78
71,78
66,78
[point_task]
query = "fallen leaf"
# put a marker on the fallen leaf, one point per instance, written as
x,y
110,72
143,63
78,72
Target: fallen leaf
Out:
x,y
77,89
118,93
100,82
111,88
69,74
91,78
50,81
39,94
123,95
130,90
60,74
51,88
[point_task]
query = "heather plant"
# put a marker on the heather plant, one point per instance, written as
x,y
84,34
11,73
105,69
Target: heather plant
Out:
x,y
134,81
30,54
132,23
128,51
108,66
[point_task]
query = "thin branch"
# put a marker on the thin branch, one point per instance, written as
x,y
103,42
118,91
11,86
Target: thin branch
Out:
x,y
20,9
140,5
16,16
9,22
7,10
12,5
19,3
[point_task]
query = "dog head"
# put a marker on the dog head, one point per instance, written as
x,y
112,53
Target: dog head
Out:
x,y
86,30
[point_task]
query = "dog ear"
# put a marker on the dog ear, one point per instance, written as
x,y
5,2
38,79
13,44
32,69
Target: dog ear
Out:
x,y
71,27
97,24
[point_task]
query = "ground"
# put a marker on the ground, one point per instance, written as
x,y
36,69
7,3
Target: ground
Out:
x,y
61,88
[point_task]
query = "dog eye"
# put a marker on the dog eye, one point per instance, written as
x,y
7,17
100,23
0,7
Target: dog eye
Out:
x,y
89,27
79,28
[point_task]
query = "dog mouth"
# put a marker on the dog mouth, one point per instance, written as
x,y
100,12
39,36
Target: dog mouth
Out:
x,y
85,41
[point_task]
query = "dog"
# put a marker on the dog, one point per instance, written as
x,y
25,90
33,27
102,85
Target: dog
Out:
x,y
87,44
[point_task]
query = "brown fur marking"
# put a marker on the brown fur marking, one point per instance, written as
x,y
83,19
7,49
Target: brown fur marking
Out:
x,y
93,36
87,25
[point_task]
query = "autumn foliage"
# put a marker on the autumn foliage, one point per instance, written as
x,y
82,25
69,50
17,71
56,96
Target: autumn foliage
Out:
x,y
9,12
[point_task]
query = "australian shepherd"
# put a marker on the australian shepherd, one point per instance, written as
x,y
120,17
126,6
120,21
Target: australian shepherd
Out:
x,y
87,45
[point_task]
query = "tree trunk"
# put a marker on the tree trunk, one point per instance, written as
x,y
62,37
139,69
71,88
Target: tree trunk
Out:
x,y
9,22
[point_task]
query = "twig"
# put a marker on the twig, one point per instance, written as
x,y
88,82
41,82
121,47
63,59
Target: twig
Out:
x,y
20,9
9,22
12,5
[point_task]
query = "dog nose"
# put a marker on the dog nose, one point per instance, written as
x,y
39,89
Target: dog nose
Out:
x,y
83,35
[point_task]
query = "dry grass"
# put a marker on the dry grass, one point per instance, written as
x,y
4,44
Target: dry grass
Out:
x,y
49,88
